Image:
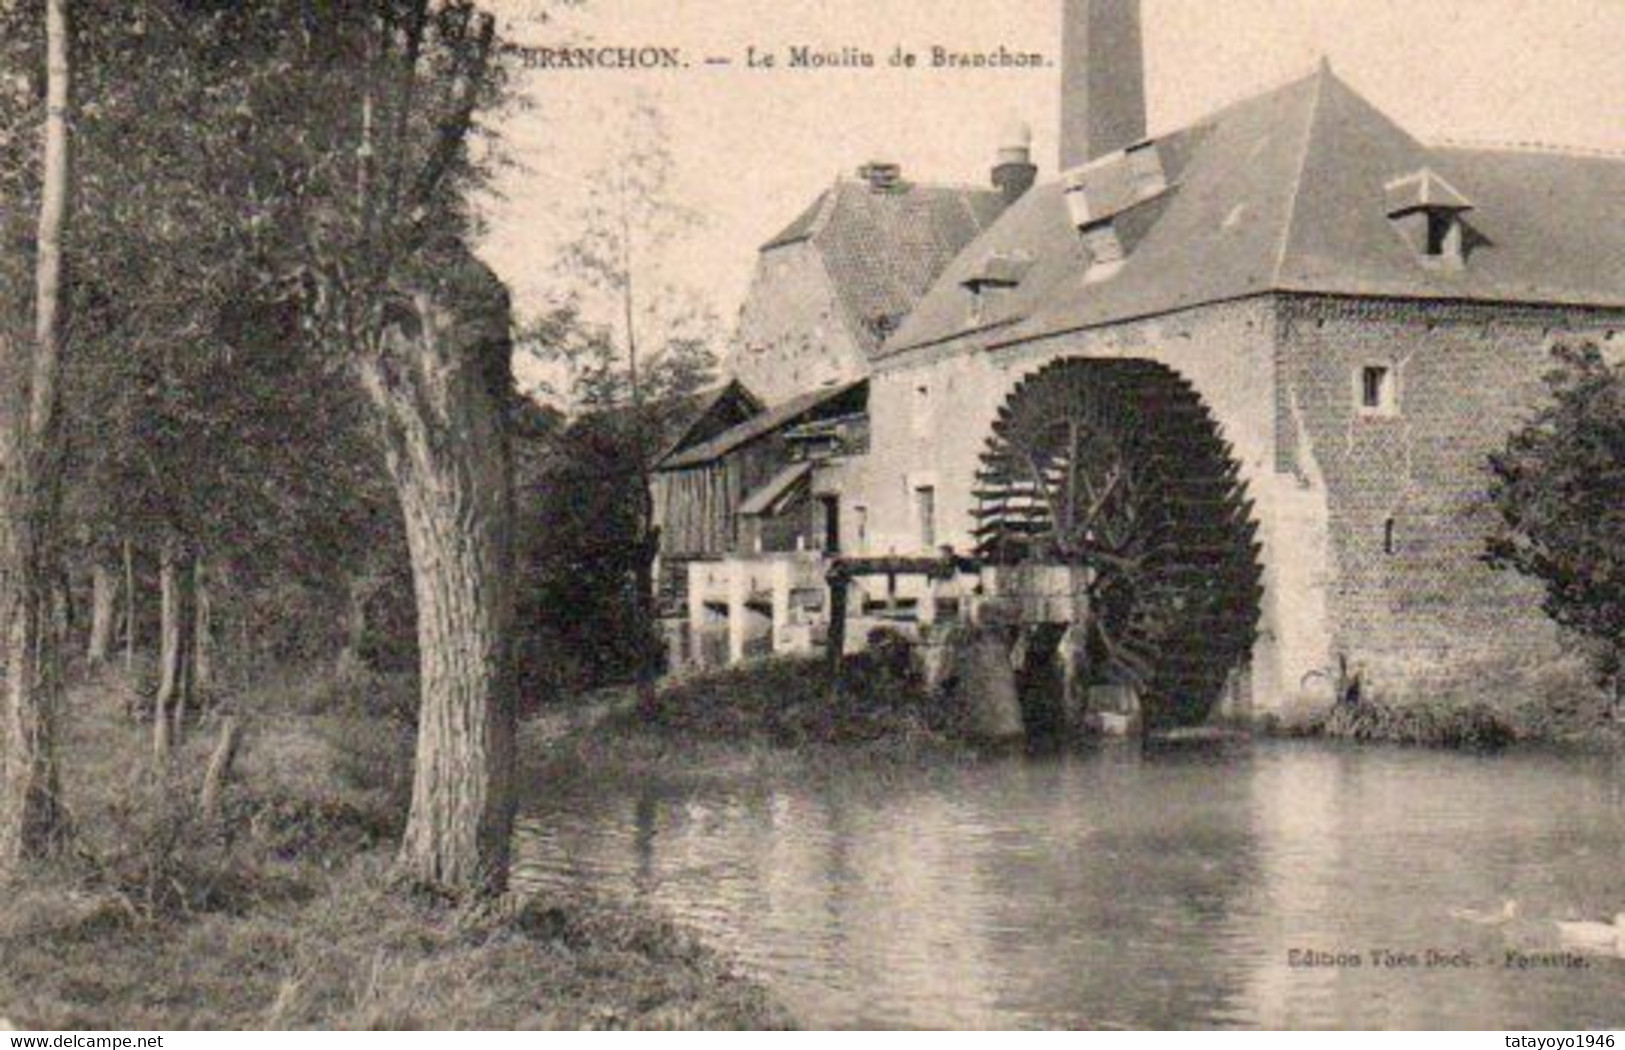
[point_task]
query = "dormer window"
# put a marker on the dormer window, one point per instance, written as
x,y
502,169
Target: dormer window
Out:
x,y
996,277
1103,199
1427,211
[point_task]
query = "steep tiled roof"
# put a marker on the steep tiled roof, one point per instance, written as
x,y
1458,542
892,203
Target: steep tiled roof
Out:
x,y
796,410
884,248
1288,191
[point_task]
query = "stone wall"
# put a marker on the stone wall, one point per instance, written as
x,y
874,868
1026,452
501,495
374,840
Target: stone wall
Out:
x,y
931,414
793,336
1411,600
1372,523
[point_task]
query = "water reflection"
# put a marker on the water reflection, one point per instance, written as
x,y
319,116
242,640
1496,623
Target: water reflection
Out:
x,y
1112,889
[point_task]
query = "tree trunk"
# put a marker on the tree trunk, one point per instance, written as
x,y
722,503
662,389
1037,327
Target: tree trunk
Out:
x,y
31,819
103,612
648,696
219,771
129,608
439,405
352,658
64,617
202,631
174,650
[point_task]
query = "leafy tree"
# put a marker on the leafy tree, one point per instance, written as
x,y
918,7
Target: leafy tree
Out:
x,y
203,427
31,820
368,125
348,139
635,345
626,329
1559,487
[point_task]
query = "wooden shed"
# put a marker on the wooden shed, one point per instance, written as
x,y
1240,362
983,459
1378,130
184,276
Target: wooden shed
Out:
x,y
701,490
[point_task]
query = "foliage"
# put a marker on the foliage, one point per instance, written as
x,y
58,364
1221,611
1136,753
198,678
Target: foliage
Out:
x,y
578,554
625,326
1559,487
634,345
789,702
1432,724
197,411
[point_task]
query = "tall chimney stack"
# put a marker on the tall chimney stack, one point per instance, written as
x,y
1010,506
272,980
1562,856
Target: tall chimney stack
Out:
x,y
1102,79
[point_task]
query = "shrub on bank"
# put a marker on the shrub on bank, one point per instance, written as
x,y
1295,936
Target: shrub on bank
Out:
x,y
1489,704
1431,724
791,700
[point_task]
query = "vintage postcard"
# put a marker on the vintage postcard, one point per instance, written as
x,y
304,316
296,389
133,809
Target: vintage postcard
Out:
x,y
857,514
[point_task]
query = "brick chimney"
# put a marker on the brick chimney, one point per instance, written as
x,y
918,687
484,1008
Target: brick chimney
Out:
x,y
1102,79
883,176
1015,172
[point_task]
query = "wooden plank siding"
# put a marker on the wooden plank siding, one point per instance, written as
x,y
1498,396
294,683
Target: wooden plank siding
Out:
x,y
697,507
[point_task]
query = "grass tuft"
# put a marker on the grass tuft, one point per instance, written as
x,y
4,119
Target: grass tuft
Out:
x,y
1436,724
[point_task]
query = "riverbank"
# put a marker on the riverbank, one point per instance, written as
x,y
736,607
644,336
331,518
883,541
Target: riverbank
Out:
x,y
1487,707
880,703
279,913
882,706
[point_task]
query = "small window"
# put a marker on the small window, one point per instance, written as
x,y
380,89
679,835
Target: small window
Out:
x,y
1377,395
925,513
1388,536
1441,226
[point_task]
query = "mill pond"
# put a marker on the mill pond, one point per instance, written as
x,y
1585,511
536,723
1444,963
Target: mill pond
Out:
x,y
1266,884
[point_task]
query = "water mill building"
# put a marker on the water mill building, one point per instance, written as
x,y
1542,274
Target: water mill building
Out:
x,y
1238,380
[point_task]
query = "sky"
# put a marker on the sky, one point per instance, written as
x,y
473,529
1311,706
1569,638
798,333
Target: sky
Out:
x,y
753,147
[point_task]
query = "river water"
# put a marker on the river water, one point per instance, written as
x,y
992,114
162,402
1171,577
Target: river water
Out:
x,y
1114,889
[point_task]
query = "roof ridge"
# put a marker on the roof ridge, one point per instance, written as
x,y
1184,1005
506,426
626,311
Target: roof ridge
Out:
x,y
851,316
1323,71
1543,148
831,201
921,184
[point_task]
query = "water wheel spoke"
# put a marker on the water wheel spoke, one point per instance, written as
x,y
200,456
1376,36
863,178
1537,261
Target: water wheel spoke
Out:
x,y
1132,665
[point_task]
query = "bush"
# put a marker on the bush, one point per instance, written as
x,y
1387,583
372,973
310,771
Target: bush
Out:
x,y
1433,724
789,701
158,852
1556,487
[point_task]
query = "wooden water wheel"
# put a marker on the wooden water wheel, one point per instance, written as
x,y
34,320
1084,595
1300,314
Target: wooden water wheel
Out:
x,y
1116,465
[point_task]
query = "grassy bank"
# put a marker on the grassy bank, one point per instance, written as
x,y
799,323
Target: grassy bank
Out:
x,y
880,704
1489,706
882,707
278,910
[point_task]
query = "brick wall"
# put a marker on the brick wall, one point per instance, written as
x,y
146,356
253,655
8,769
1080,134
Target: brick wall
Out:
x,y
1411,601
